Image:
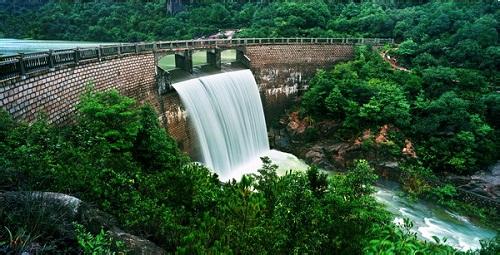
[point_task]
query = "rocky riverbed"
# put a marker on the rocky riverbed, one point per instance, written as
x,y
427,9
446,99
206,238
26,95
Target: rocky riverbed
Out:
x,y
485,183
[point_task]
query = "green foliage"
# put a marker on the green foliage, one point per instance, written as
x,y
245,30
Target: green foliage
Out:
x,y
446,106
416,180
492,112
387,105
289,19
443,194
96,160
451,137
153,148
180,205
361,178
362,92
110,117
404,241
118,156
101,243
490,247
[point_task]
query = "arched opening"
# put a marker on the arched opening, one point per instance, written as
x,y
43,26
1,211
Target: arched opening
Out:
x,y
228,56
200,58
167,62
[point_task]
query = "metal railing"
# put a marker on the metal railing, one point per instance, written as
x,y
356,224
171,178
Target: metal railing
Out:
x,y
21,65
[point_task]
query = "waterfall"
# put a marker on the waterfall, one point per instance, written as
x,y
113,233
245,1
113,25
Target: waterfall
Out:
x,y
226,112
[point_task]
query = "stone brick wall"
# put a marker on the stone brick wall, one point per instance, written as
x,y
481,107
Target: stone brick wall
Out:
x,y
56,93
283,71
174,116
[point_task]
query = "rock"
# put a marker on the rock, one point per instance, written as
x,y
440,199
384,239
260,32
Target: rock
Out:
x,y
393,165
316,156
343,153
389,170
59,199
382,135
485,183
408,150
279,139
94,219
295,125
327,128
135,244
70,209
332,156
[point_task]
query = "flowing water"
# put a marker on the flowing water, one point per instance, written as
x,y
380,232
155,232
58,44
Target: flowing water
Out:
x,y
433,220
228,117
227,114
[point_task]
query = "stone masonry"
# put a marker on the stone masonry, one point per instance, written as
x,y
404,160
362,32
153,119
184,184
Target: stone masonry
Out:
x,y
281,72
56,93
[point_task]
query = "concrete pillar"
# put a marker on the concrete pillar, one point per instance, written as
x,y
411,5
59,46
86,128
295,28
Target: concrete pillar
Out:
x,y
163,81
214,58
242,58
184,61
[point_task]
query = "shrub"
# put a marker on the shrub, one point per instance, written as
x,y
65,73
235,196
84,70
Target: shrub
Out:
x,y
101,243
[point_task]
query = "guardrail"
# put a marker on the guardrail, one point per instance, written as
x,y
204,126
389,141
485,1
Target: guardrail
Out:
x,y
22,65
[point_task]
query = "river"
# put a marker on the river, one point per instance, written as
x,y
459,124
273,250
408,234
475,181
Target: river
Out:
x,y
428,219
432,220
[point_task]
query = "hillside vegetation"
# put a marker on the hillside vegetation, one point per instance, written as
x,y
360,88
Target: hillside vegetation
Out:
x,y
117,157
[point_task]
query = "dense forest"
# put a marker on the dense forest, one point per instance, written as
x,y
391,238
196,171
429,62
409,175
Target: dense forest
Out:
x,y
445,102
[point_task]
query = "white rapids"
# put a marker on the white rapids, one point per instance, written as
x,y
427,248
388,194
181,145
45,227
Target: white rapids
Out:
x,y
226,112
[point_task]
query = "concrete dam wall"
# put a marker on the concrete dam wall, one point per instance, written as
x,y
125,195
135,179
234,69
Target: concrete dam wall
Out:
x,y
281,70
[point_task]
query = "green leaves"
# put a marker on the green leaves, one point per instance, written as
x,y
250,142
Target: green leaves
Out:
x,y
452,138
101,243
387,105
402,240
110,116
363,93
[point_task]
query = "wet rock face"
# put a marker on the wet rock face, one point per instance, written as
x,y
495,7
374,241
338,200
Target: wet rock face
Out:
x,y
316,156
332,155
485,183
307,140
296,126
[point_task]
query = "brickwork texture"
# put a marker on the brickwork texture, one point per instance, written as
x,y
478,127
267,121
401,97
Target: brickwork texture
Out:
x,y
56,93
281,72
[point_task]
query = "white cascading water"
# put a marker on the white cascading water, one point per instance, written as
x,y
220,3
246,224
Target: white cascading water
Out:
x,y
227,114
228,117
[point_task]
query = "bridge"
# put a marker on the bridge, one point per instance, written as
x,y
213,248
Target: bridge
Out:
x,y
24,65
51,83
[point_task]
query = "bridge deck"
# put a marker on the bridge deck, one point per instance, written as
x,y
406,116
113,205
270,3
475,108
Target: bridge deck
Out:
x,y
18,66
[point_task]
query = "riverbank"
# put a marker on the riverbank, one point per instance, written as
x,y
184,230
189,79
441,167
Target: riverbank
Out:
x,y
475,196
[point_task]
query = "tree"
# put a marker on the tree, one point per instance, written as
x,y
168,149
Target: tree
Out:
x,y
387,105
111,117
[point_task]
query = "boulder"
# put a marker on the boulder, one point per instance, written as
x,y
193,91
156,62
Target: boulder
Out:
x,y
70,209
316,155
296,126
485,183
135,244
343,153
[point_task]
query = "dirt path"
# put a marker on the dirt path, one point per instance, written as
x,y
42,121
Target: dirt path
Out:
x,y
392,61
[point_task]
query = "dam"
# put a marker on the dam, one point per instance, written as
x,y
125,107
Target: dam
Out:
x,y
51,83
